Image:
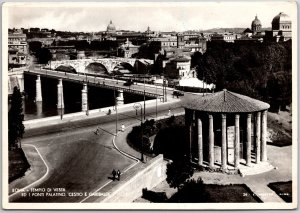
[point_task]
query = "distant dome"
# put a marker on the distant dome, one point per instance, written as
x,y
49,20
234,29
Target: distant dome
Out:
x,y
279,20
111,27
256,22
256,25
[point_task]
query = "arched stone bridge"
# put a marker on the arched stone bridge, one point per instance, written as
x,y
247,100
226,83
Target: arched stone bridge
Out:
x,y
109,64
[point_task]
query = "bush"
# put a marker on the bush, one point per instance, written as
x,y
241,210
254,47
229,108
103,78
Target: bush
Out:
x,y
192,192
178,172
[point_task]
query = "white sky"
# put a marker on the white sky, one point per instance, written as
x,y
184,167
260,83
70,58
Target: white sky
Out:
x,y
133,16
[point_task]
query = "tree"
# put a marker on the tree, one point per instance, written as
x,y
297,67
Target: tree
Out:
x,y
15,120
43,55
247,68
178,172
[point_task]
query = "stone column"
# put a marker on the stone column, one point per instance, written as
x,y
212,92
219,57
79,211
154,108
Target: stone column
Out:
x,y
60,95
21,82
120,98
193,127
237,141
39,108
257,136
211,157
38,94
200,143
224,143
264,136
84,98
248,142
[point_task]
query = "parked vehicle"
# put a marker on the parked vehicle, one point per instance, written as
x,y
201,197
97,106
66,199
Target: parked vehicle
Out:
x,y
129,82
178,93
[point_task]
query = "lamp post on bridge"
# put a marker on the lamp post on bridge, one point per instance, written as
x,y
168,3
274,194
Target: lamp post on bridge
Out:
x,y
144,101
156,100
136,106
116,109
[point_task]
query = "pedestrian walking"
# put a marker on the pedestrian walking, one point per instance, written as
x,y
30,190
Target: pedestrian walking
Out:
x,y
97,132
114,173
118,174
169,114
123,127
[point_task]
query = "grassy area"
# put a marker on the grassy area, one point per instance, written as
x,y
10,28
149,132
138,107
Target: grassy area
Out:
x,y
283,189
239,193
18,164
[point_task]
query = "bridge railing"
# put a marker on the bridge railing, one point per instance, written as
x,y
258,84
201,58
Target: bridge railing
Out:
x,y
95,81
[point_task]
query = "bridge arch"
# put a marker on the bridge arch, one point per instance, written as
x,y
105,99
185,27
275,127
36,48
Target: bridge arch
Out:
x,y
96,68
64,68
123,67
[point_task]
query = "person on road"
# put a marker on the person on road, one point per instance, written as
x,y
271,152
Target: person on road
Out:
x,y
123,127
118,174
97,132
109,112
114,173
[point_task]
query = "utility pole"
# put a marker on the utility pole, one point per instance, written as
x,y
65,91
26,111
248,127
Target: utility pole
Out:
x,y
144,101
136,106
116,108
156,100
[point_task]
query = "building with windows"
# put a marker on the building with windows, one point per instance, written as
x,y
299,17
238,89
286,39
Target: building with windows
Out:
x,y
165,42
178,67
127,49
17,41
281,28
17,49
227,37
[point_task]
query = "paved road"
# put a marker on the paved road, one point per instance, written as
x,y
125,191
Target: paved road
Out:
x,y
80,161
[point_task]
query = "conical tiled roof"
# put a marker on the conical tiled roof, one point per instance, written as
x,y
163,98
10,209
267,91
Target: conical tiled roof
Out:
x,y
224,101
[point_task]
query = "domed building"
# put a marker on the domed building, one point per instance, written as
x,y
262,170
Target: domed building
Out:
x,y
256,26
110,28
281,28
282,22
228,131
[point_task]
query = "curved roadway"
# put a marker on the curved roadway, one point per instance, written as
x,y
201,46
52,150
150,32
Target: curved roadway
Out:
x,y
79,160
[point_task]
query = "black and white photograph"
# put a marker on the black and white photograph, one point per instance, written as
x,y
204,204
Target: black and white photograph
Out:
x,y
149,105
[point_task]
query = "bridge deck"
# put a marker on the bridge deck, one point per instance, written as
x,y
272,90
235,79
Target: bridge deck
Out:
x,y
149,90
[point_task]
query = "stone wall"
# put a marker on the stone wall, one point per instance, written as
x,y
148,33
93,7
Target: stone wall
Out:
x,y
144,175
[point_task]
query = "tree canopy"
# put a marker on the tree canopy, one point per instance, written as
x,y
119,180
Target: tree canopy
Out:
x,y
248,68
15,119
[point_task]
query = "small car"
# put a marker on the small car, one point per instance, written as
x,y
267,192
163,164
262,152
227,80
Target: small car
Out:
x,y
178,93
128,82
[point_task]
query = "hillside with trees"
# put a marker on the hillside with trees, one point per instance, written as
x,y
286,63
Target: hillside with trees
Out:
x,y
260,70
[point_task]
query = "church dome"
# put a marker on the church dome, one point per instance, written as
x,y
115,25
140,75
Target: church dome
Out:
x,y
256,22
111,27
280,19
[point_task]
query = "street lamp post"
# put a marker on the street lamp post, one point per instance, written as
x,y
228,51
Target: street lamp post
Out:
x,y
87,97
136,106
144,101
116,108
156,100
61,108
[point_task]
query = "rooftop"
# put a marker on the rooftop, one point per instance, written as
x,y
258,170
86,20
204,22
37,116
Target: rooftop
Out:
x,y
224,101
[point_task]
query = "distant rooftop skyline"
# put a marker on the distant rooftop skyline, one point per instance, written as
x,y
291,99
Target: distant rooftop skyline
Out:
x,y
94,17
